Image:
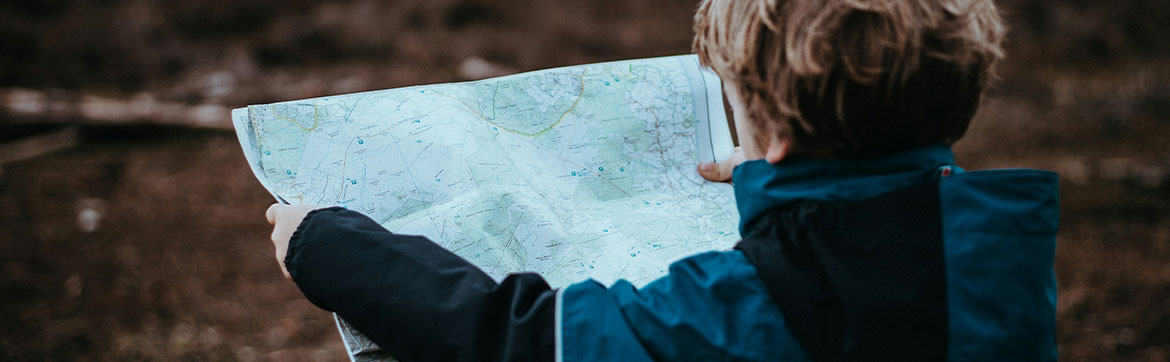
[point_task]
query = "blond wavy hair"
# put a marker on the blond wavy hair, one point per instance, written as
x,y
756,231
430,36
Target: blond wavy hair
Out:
x,y
853,78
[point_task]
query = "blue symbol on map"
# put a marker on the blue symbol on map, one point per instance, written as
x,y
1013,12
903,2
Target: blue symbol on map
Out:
x,y
360,141
599,168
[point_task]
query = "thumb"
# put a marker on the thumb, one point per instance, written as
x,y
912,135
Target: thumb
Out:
x,y
270,214
721,171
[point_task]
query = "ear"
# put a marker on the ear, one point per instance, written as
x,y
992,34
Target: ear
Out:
x,y
777,150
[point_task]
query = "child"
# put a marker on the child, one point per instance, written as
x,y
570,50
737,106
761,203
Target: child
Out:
x,y
861,239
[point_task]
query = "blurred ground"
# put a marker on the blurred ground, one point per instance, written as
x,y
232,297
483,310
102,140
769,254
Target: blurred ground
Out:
x,y
147,242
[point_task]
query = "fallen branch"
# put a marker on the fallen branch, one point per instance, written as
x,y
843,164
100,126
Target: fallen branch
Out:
x,y
32,106
37,145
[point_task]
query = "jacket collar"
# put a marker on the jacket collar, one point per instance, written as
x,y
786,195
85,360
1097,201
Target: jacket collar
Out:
x,y
761,186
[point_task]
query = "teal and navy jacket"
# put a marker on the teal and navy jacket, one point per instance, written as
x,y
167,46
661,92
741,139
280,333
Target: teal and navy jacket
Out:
x,y
903,257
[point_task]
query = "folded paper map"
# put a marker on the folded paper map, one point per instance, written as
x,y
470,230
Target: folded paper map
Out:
x,y
577,172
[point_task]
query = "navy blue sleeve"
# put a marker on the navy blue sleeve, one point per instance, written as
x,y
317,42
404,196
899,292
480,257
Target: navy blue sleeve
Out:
x,y
416,300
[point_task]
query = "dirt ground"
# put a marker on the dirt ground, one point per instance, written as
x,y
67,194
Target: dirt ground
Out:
x,y
149,243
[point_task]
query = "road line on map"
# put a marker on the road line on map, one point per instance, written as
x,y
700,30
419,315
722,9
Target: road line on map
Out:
x,y
522,133
578,101
661,150
345,156
272,107
615,186
344,163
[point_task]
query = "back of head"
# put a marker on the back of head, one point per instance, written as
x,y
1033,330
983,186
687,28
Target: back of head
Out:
x,y
853,78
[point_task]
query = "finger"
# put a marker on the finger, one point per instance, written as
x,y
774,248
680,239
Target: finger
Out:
x,y
720,171
717,172
710,171
270,214
280,263
727,167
